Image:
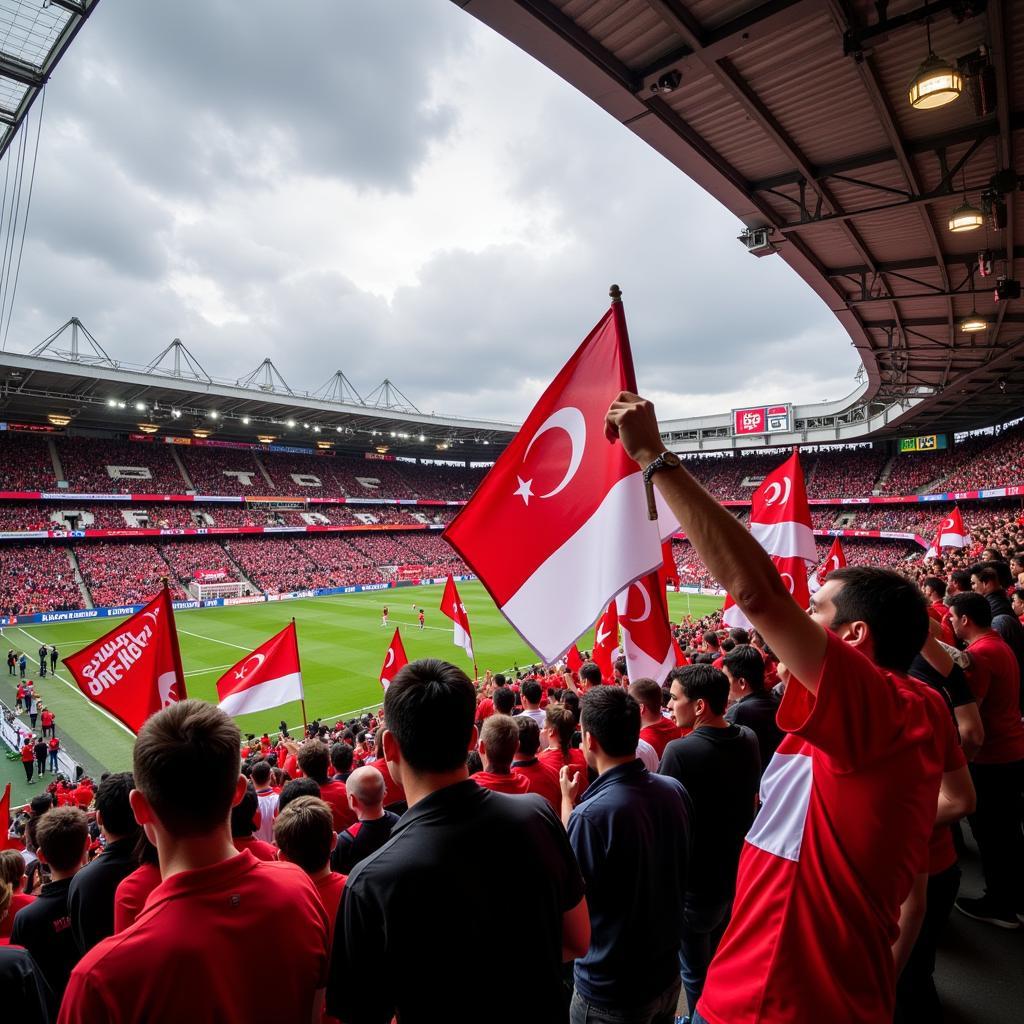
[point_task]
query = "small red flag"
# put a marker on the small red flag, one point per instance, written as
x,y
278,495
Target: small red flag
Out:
x,y
394,660
265,678
835,559
573,659
606,639
452,606
134,670
646,636
669,571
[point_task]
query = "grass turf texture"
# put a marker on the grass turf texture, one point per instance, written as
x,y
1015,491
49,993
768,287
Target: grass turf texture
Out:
x,y
341,647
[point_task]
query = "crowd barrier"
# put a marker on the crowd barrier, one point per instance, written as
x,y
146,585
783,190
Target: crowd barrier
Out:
x,y
12,731
120,611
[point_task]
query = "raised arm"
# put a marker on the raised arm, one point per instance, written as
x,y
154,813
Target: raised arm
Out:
x,y
728,550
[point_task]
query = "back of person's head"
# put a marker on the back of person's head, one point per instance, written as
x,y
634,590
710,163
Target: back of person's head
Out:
x,y
590,674
745,662
647,693
341,758
187,765
973,607
294,788
315,760
529,735
304,833
367,785
985,573
612,717
113,805
62,836
711,638
504,700
936,585
739,636
562,723
704,682
260,773
727,645
40,804
244,813
12,868
532,691
891,606
499,679
619,665
430,708
500,738
962,579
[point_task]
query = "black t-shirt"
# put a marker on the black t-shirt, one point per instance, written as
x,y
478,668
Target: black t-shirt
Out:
x,y
721,770
358,841
953,687
757,712
91,898
44,929
414,915
27,998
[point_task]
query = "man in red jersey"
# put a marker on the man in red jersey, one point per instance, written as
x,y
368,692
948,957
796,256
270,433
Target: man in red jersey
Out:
x,y
540,779
934,592
656,729
498,741
315,762
836,847
211,901
998,768
305,836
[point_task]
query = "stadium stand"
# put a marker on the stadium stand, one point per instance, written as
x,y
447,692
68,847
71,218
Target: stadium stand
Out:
x,y
25,463
36,578
119,573
101,466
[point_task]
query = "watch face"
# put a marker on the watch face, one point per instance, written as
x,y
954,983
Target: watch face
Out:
x,y
673,460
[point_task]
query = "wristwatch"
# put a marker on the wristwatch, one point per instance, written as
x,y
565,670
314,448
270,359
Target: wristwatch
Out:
x,y
666,460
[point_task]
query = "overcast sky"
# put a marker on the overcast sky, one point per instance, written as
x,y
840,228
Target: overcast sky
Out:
x,y
390,189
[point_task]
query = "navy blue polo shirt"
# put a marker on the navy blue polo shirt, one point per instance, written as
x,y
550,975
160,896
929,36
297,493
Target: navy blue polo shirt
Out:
x,y
631,836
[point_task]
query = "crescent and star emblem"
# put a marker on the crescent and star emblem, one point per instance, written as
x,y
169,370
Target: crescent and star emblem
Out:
x,y
947,524
835,561
776,490
571,420
244,670
647,604
791,582
602,635
389,659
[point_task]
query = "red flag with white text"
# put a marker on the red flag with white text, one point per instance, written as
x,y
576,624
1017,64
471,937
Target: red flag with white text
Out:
x,y
134,670
568,508
394,660
606,639
265,678
452,606
646,635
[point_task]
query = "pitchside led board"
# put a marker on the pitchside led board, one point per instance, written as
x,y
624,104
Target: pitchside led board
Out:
x,y
763,419
925,443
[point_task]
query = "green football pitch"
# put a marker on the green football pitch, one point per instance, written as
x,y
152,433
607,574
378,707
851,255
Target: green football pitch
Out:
x,y
341,646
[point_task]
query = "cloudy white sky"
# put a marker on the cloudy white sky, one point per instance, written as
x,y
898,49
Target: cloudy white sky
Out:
x,y
390,189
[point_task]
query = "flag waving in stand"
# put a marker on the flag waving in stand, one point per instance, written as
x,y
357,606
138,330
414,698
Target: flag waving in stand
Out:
x,y
394,660
265,678
780,521
606,639
646,635
950,534
835,559
569,507
134,670
452,606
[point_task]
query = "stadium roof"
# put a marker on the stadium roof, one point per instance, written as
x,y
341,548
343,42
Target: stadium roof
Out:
x,y
69,374
795,115
34,35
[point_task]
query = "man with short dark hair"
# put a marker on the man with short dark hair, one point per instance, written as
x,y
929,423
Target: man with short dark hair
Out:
x,y
751,704
91,897
186,770
43,927
366,790
260,775
934,590
504,701
590,675
532,696
988,580
959,582
341,761
631,835
499,739
719,766
414,901
835,838
655,728
540,779
315,762
998,767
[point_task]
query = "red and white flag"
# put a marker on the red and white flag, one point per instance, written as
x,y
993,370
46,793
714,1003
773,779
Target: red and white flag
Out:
x,y
394,660
780,520
573,659
266,678
646,635
135,669
835,559
569,508
606,639
950,534
452,606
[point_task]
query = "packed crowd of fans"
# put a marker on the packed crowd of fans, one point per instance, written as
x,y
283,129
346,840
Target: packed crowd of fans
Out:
x,y
36,578
91,466
25,463
124,573
186,558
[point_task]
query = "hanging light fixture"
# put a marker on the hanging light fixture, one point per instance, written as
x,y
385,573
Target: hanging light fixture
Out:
x,y
59,419
148,428
266,438
966,217
201,433
973,322
937,82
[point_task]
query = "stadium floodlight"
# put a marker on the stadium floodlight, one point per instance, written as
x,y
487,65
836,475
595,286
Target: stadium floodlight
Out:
x,y
973,322
59,419
245,421
422,439
289,423
213,414
112,402
120,405
316,430
176,413
966,218
338,429
140,406
441,446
